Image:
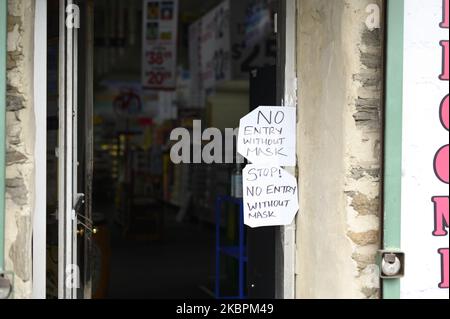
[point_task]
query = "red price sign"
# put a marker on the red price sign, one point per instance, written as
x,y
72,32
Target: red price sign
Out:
x,y
155,58
156,78
158,57
159,50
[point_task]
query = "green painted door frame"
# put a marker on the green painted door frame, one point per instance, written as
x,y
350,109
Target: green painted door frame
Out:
x,y
3,43
393,137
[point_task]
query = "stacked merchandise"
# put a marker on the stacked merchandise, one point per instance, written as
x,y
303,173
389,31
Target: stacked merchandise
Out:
x,y
198,187
142,177
106,154
181,183
209,182
175,196
167,177
146,218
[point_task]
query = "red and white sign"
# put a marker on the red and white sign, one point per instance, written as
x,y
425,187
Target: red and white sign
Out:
x,y
425,184
160,44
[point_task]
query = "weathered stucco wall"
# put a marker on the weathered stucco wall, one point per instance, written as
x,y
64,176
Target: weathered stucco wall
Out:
x,y
340,112
20,146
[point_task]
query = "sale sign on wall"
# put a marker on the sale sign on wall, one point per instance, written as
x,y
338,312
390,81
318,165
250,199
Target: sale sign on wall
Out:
x,y
425,181
227,43
160,44
209,52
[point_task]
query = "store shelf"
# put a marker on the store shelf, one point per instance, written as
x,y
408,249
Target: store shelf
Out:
x,y
232,251
237,252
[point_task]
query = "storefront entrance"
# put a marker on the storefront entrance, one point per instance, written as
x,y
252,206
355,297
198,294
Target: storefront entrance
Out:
x,y
123,219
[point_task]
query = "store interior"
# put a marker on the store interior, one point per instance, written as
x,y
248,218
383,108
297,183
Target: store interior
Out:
x,y
157,222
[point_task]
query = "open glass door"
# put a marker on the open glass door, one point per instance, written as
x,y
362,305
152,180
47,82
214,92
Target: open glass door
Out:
x,y
67,156
85,147
75,225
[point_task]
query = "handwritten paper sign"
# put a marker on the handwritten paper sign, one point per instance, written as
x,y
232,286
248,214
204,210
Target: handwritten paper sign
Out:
x,y
267,136
270,196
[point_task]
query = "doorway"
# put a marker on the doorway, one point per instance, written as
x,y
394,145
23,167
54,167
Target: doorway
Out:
x,y
138,225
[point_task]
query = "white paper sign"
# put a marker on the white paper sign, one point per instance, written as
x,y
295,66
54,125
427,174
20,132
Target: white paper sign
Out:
x,y
215,49
270,196
268,136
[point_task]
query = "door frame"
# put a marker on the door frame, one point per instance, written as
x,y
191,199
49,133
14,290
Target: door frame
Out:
x,y
76,151
393,139
40,185
67,158
3,80
287,97
86,141
67,147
